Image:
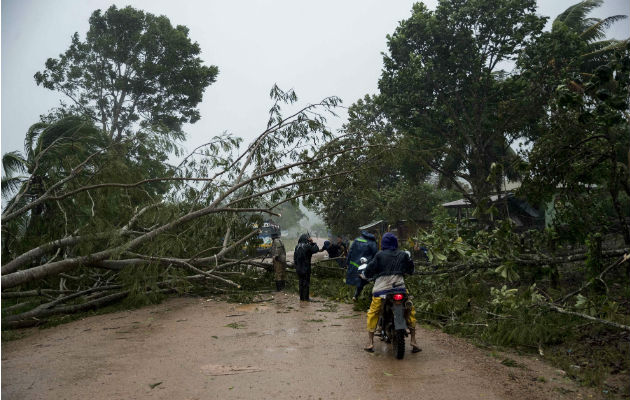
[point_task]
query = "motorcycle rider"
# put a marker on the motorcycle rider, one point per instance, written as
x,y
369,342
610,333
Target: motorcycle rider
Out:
x,y
363,246
388,267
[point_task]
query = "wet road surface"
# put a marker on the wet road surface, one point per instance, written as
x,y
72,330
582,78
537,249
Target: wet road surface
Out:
x,y
192,348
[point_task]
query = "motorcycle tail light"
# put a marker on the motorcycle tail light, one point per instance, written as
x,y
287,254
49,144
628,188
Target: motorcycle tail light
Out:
x,y
398,297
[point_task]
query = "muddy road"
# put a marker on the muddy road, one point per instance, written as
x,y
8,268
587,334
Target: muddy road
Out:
x,y
192,348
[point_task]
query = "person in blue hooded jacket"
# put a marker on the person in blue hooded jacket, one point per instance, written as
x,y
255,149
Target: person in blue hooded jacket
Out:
x,y
363,246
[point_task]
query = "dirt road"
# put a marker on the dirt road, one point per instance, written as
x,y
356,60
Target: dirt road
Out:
x,y
191,348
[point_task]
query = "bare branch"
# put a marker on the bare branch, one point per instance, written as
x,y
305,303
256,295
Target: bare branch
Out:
x,y
600,277
585,316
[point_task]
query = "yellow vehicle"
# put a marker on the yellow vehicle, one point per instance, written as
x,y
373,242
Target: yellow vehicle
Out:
x,y
265,236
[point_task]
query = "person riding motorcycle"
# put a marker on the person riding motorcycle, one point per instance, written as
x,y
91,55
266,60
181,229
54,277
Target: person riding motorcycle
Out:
x,y
389,267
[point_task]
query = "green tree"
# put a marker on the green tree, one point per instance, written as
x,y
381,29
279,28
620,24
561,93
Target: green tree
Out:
x,y
52,151
586,145
290,215
591,31
134,70
385,179
442,85
566,55
578,138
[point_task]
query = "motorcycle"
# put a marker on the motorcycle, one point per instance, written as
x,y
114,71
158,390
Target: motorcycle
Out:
x,y
392,321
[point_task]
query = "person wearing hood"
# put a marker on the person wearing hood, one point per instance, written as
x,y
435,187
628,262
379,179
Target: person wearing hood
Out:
x,y
363,246
302,260
389,267
336,251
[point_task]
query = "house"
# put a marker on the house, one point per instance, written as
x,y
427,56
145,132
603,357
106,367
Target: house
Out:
x,y
518,210
403,229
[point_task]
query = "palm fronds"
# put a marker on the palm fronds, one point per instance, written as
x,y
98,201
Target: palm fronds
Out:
x,y
575,18
12,163
597,31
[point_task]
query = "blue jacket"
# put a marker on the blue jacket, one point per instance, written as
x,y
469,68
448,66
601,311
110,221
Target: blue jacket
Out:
x,y
363,246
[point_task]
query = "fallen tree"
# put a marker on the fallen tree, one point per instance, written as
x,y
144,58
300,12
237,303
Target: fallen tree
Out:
x,y
199,232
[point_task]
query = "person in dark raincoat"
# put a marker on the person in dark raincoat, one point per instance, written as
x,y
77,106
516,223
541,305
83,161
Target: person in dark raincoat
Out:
x,y
302,260
336,251
363,246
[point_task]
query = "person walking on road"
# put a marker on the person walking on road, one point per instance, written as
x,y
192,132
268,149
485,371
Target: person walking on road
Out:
x,y
363,246
279,256
302,260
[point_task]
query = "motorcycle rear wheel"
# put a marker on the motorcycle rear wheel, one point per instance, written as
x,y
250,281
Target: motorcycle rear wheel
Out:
x,y
399,343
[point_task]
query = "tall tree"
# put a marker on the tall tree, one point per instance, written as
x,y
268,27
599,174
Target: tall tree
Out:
x,y
51,151
134,70
387,179
442,85
585,143
591,31
572,50
578,134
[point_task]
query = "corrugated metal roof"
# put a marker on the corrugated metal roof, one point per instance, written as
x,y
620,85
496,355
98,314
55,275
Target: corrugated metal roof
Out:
x,y
463,203
371,224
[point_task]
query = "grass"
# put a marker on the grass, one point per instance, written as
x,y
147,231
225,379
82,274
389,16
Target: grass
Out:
x,y
508,362
329,307
8,336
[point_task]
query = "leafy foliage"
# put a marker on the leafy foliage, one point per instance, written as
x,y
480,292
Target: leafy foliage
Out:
x,y
584,150
388,176
133,70
441,87
508,305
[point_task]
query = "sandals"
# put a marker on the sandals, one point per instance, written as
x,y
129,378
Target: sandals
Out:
x,y
369,349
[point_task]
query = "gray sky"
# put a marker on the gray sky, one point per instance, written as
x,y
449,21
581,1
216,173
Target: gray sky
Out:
x,y
319,49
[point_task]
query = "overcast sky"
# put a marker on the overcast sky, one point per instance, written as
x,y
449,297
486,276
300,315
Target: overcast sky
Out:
x,y
318,48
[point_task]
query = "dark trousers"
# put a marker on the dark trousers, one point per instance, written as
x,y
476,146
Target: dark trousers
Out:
x,y
359,289
305,285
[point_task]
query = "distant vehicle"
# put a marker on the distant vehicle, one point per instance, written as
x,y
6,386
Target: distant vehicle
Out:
x,y
268,228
